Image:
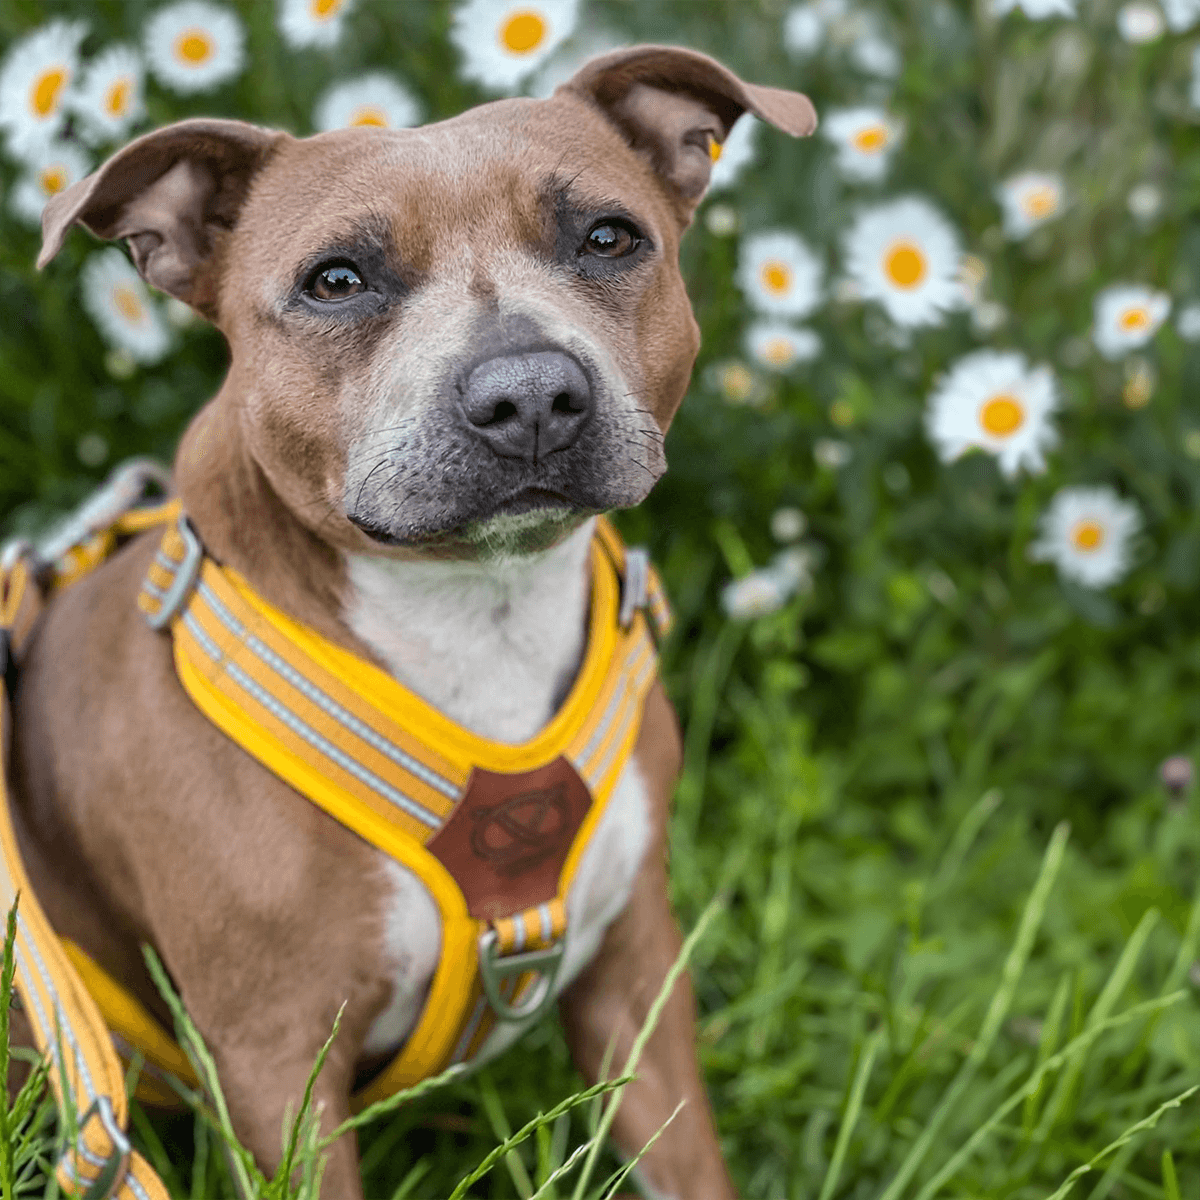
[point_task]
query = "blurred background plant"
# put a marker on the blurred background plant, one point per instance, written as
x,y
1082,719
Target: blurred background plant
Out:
x,y
931,529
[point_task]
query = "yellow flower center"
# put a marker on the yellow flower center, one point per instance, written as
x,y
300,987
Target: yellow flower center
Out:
x,y
776,276
778,351
194,47
736,382
116,99
323,10
367,114
523,31
53,180
1087,535
870,140
126,302
43,96
1002,415
1040,202
1134,320
904,264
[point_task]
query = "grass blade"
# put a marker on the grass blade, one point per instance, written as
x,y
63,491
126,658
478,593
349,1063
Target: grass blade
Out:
x,y
1146,1123
853,1107
1031,919
609,1189
250,1180
1076,1046
639,1043
1109,995
527,1130
494,1109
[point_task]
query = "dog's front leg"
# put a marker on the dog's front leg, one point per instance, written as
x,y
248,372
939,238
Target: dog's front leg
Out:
x,y
263,1067
609,1002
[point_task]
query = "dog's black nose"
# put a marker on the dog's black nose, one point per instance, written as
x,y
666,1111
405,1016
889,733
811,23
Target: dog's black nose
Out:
x,y
528,405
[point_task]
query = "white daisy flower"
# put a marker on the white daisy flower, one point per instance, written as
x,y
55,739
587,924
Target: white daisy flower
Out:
x,y
34,81
831,453
120,304
1127,316
503,41
795,566
1181,14
1139,23
735,381
865,139
109,98
905,254
51,168
194,46
1187,322
805,26
375,99
735,153
1028,200
758,594
1086,533
721,220
313,22
779,275
873,54
780,347
1145,202
1036,9
994,401
788,524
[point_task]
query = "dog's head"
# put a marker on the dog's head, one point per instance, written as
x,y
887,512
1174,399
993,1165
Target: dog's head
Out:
x,y
443,333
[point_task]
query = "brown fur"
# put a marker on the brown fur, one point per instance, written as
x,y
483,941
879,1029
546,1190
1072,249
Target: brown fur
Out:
x,y
139,820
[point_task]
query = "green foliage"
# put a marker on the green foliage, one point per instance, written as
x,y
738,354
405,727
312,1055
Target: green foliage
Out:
x,y
907,994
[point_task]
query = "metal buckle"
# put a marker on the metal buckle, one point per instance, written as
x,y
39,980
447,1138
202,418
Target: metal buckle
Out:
x,y
635,588
127,484
117,1164
493,968
185,577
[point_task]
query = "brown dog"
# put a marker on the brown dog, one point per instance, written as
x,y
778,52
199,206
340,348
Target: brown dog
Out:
x,y
451,347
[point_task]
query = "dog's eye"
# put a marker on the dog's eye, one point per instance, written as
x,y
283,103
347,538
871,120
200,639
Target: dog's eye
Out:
x,y
612,239
335,282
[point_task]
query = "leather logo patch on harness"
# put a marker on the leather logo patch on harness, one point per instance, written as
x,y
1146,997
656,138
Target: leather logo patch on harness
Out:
x,y
508,838
518,833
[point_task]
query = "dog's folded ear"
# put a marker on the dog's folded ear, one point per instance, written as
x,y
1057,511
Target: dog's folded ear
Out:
x,y
677,106
171,193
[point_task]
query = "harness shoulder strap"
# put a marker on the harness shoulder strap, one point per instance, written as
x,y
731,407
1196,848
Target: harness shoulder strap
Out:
x,y
85,1073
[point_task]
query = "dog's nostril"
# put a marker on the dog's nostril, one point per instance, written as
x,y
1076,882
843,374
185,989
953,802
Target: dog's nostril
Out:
x,y
562,403
503,411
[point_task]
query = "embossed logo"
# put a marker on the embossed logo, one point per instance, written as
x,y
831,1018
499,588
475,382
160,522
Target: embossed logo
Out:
x,y
521,831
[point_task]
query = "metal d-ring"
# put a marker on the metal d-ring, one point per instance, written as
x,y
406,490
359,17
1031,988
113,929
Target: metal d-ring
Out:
x,y
494,968
186,575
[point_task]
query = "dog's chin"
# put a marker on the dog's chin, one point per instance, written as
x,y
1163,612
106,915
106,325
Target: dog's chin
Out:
x,y
527,522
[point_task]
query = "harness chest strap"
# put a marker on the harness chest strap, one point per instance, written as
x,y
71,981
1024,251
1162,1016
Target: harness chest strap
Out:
x,y
494,831
85,1072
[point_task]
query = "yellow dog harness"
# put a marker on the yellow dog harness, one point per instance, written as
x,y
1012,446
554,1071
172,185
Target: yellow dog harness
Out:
x,y
494,831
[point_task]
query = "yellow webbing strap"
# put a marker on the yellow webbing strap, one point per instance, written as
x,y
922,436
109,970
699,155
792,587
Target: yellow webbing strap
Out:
x,y
67,1025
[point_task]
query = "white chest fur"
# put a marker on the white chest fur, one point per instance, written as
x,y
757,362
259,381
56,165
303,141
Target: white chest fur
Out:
x,y
494,646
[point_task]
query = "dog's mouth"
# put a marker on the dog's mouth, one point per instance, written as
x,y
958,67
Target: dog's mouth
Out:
x,y
527,520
